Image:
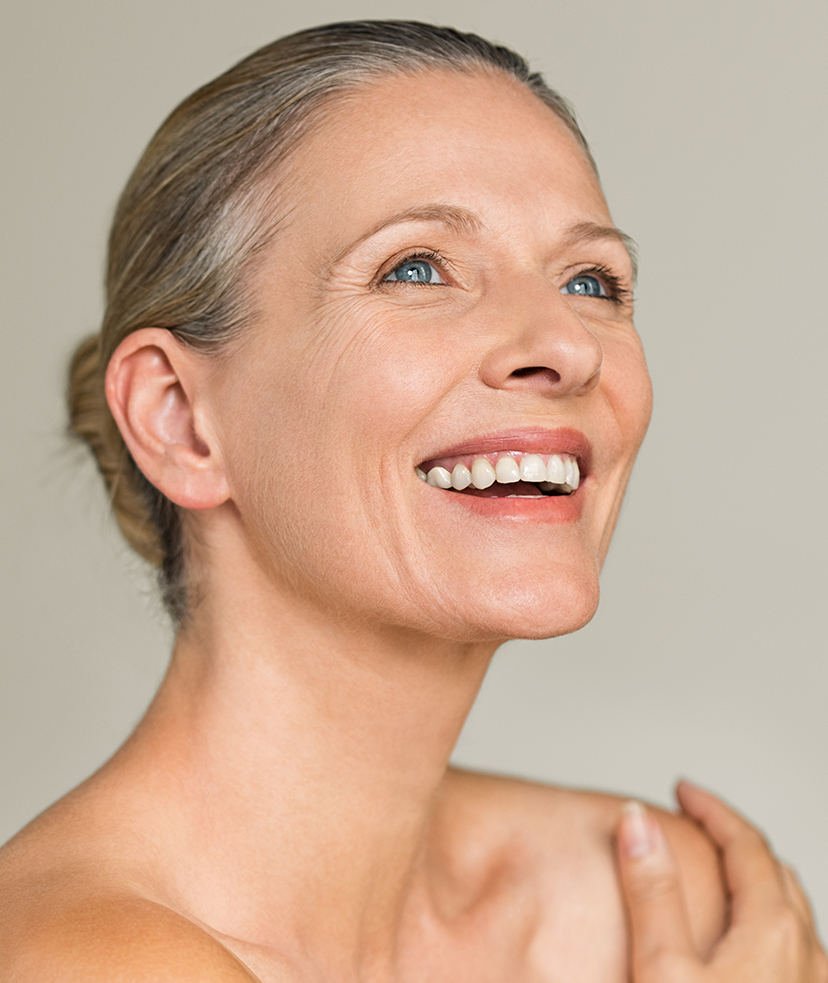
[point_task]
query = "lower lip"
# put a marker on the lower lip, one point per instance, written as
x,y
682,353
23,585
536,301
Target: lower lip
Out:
x,y
550,508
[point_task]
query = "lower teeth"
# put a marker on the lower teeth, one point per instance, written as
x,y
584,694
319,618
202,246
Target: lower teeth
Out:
x,y
545,490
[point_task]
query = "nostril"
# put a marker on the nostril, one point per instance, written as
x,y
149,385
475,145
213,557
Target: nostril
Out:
x,y
531,370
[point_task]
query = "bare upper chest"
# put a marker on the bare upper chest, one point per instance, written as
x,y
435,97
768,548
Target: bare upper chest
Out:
x,y
514,897
517,884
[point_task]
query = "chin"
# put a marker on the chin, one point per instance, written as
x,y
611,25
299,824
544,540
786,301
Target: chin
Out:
x,y
511,608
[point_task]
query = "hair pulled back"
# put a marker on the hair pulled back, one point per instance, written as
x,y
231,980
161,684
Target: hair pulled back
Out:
x,y
193,215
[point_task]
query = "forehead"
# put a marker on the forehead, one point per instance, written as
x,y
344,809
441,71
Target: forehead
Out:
x,y
479,140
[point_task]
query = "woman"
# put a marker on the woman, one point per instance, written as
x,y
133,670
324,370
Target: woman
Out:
x,y
374,396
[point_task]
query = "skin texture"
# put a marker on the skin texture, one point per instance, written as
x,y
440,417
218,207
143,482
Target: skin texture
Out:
x,y
285,811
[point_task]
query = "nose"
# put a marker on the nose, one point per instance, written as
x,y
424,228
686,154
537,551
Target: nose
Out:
x,y
539,343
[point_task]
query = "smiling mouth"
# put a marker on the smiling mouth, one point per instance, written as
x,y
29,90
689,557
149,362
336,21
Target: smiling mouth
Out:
x,y
508,474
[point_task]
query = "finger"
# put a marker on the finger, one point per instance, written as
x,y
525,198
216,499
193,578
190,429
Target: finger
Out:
x,y
659,926
795,894
750,867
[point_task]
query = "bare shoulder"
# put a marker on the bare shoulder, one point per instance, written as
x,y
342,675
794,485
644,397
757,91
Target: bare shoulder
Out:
x,y
65,922
570,833
113,938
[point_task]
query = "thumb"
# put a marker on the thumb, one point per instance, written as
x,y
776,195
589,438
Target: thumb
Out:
x,y
659,928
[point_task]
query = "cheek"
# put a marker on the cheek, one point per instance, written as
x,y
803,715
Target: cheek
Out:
x,y
390,360
629,399
315,443
367,383
627,383
307,394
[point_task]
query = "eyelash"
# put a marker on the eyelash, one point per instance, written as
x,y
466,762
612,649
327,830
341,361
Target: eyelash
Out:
x,y
617,292
427,254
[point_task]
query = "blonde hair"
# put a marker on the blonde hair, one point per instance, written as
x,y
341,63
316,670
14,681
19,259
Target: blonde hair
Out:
x,y
189,223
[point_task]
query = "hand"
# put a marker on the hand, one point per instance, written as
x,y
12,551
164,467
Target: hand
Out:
x,y
771,937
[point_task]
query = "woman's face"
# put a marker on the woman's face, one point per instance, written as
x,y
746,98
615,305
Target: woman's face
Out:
x,y
446,290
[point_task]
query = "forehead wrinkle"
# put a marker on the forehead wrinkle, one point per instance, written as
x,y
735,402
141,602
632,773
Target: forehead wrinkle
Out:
x,y
591,231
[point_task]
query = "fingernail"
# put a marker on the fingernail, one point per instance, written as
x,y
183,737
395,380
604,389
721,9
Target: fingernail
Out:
x,y
636,833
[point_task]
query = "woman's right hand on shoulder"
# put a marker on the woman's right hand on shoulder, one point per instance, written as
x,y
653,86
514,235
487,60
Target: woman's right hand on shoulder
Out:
x,y
771,937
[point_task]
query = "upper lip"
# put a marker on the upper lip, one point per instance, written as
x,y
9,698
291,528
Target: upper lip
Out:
x,y
561,440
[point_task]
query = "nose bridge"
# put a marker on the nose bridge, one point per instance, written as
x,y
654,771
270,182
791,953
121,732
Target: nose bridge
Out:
x,y
538,340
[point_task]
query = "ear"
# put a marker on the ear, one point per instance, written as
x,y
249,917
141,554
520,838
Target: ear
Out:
x,y
152,384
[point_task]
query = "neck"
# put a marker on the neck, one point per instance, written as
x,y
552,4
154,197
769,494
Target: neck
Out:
x,y
300,761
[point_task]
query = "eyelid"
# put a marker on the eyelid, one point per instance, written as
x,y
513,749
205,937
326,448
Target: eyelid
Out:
x,y
440,263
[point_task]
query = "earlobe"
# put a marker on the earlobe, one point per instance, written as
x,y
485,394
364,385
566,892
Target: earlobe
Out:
x,y
152,383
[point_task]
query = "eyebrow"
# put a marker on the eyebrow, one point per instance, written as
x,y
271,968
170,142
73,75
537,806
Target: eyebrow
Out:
x,y
464,221
591,231
458,219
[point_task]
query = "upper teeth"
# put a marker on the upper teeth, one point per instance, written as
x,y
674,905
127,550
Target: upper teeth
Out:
x,y
558,470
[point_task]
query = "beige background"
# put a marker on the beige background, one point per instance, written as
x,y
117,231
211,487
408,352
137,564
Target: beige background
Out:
x,y
708,657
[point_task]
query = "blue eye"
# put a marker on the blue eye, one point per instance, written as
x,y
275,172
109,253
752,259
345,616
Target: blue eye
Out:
x,y
585,286
415,271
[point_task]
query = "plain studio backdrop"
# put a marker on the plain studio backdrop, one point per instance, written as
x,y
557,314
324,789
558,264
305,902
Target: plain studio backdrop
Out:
x,y
708,655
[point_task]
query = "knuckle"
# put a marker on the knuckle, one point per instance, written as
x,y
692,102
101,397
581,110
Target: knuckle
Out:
x,y
787,931
664,964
